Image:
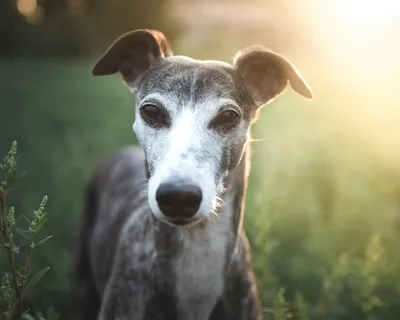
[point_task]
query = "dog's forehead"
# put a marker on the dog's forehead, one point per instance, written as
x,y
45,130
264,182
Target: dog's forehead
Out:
x,y
185,80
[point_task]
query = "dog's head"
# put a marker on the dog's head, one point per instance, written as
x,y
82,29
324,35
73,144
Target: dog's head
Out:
x,y
193,117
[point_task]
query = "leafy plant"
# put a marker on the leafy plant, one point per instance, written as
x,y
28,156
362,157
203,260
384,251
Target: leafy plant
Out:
x,y
17,237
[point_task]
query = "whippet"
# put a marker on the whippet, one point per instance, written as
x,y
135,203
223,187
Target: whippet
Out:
x,y
162,231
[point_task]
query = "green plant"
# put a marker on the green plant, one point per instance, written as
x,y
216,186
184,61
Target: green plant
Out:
x,y
14,239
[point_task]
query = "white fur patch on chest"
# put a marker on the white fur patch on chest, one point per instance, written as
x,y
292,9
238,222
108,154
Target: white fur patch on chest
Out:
x,y
199,269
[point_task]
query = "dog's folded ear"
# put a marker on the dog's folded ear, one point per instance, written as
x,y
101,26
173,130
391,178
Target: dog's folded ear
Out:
x,y
132,54
266,74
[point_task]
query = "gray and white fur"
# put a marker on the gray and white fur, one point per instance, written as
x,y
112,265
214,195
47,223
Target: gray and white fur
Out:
x,y
161,235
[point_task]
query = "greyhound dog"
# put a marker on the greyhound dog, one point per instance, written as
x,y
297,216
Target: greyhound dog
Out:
x,y
162,235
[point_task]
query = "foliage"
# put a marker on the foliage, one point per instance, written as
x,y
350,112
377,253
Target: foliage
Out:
x,y
20,279
325,225
64,127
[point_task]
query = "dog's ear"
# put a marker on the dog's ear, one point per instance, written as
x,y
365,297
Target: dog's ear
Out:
x,y
267,73
132,54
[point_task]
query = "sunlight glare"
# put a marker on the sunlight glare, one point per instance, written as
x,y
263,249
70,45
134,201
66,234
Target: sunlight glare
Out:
x,y
366,13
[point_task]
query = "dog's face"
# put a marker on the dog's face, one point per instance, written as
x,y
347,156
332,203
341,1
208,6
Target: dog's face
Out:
x,y
193,117
192,120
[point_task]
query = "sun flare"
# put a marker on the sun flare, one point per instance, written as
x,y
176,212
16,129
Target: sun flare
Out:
x,y
365,13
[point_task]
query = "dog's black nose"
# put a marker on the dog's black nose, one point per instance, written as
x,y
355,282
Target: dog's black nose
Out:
x,y
178,200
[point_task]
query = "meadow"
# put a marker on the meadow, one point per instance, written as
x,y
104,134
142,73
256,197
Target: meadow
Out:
x,y
322,209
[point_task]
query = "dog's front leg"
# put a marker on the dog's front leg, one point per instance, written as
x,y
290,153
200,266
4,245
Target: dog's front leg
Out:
x,y
240,299
129,288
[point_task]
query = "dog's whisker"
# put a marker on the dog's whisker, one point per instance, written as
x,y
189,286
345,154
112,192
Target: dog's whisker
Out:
x,y
258,140
215,213
219,202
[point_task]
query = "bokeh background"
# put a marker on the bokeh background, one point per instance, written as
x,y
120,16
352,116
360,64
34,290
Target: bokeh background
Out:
x,y
323,205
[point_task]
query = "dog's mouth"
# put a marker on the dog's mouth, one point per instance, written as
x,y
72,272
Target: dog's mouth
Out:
x,y
178,222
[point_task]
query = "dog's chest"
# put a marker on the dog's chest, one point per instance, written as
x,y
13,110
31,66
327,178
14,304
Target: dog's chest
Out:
x,y
199,269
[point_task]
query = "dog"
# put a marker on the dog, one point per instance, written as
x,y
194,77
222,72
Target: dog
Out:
x,y
161,236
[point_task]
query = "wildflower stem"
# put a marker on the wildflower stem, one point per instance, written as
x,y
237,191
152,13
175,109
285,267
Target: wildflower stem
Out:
x,y
27,259
10,253
3,213
28,256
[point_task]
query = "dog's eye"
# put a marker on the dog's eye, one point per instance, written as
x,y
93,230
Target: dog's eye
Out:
x,y
150,111
227,118
153,115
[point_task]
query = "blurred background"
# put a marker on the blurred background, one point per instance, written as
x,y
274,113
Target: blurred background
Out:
x,y
323,205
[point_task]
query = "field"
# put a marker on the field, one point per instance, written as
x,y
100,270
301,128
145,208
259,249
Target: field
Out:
x,y
323,204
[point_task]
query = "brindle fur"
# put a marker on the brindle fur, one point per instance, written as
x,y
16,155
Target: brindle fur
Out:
x,y
130,264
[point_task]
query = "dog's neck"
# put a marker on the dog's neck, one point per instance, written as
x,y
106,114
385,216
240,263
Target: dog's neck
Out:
x,y
234,196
